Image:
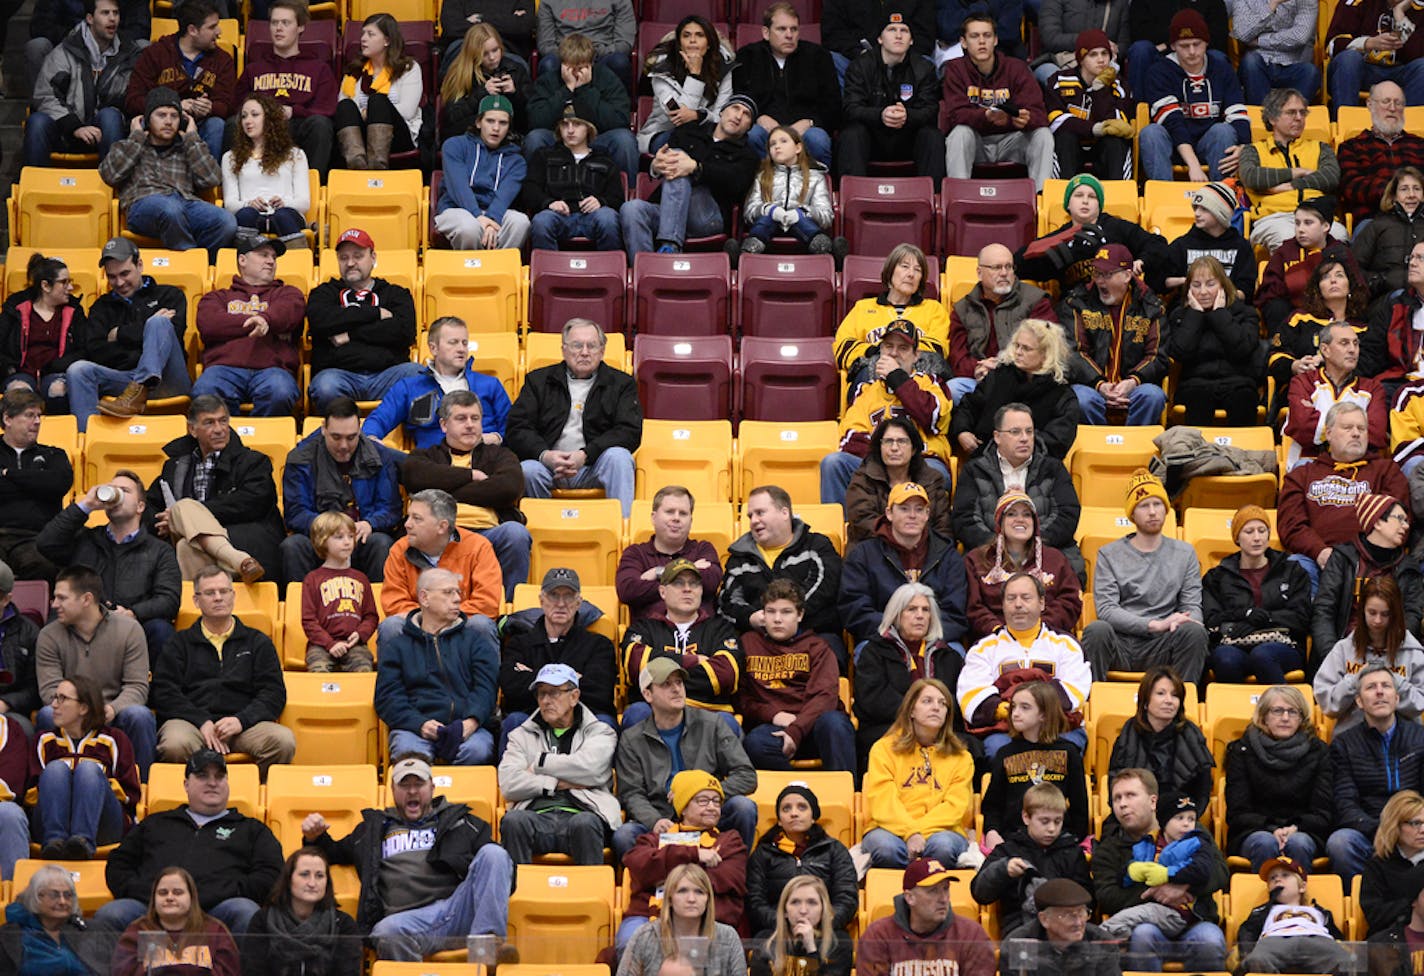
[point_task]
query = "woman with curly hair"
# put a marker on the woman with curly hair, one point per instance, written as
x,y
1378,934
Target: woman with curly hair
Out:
x,y
691,73
265,182
379,109
1333,293
483,66
1033,372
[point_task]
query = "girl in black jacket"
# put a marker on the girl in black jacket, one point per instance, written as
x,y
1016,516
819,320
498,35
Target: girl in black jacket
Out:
x,y
1215,340
804,940
483,67
1161,738
301,932
1391,879
1251,592
799,845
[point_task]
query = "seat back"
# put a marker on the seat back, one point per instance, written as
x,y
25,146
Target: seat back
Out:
x,y
256,604
860,278
982,212
1100,525
684,378
1208,531
834,790
790,380
82,262
577,284
789,296
295,267
165,789
332,717
1102,460
546,349
877,213
883,884
319,40
88,877
1167,207
62,208
338,793
696,454
272,436
135,443
784,454
562,913
585,535
682,294
385,204
481,287
712,521
186,270
31,598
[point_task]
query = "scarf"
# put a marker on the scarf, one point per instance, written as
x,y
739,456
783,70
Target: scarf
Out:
x,y
306,943
1277,754
916,662
369,81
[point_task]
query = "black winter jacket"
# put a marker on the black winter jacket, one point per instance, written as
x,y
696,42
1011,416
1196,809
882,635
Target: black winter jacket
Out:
x,y
126,319
1063,858
1096,954
1389,952
1365,775
1335,598
1223,343
1054,406
612,414
882,678
527,648
806,88
334,308
1259,797
1067,259
555,175
851,26
459,835
1250,931
1387,889
873,572
190,681
1382,248
141,574
32,485
241,491
231,857
871,85
1178,757
1229,607
769,868
13,342
981,484
18,636
810,560
728,165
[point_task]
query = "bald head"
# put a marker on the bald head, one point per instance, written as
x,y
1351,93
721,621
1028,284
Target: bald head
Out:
x,y
996,271
1386,105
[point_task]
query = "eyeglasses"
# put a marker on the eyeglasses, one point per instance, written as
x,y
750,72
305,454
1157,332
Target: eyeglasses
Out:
x,y
997,268
57,697
1399,517
563,599
55,894
705,801
1016,431
1412,824
896,441
687,582
1283,711
547,692
583,346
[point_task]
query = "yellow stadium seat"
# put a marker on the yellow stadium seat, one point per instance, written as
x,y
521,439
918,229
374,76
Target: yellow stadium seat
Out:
x,y
1102,459
1097,526
1230,708
713,522
883,884
333,717
385,204
293,646
295,268
482,287
83,264
397,265
1111,704
696,454
835,791
272,436
585,535
1119,199
562,913
1248,891
475,786
960,276
788,455
546,349
1167,207
526,596
137,443
61,208
186,270
1317,124
258,605
62,430
1221,491
1208,531
165,789
1350,121
495,354
386,967
339,793
88,880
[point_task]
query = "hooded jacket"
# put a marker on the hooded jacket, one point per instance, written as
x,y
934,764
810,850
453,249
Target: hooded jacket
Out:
x,y
875,569
1117,346
311,484
1230,608
1021,765
919,791
140,573
536,759
161,64
482,181
527,649
1237,257
871,85
789,190
444,677
1351,563
1054,407
375,343
612,413
771,866
1338,680
889,947
710,655
1265,791
226,342
1317,503
645,766
302,83
1368,769
129,315
192,682
1062,858
980,330
809,560
804,88
414,402
500,490
691,93
969,91
67,90
981,485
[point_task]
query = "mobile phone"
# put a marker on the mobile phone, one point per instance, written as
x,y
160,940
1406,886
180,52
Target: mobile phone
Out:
x,y
671,105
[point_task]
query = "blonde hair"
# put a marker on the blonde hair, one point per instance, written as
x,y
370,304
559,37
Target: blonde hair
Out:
x,y
1051,342
1044,796
328,524
902,731
782,937
1213,267
708,927
1290,696
768,168
1404,805
467,71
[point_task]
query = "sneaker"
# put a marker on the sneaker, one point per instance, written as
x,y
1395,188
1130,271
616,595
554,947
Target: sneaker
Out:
x,y
753,245
733,250
129,403
820,244
668,248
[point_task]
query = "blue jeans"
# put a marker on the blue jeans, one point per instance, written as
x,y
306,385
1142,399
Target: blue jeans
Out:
x,y
1144,404
212,130
182,224
273,391
838,467
512,543
1350,74
816,140
683,210
832,738
137,722
888,851
478,906
1202,948
621,144
1261,846
613,470
803,230
1268,662
1259,76
331,383
78,802
120,913
739,813
477,750
14,837
995,741
1348,850
284,221
161,360
1312,570
1158,150
548,229
43,136
959,386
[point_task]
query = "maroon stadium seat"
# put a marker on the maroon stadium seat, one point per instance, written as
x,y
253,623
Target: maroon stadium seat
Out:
x,y
787,296
788,380
860,278
687,378
982,212
585,284
682,294
876,213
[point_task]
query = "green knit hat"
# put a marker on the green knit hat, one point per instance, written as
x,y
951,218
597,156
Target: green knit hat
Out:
x,y
1082,179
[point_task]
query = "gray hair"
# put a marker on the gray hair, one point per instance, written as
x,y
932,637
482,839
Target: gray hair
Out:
x,y
458,398
900,599
433,577
440,503
580,323
206,403
1275,103
50,874
1339,410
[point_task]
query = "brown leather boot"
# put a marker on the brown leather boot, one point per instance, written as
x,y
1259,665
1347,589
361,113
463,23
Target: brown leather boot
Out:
x,y
378,145
353,147
129,403
250,571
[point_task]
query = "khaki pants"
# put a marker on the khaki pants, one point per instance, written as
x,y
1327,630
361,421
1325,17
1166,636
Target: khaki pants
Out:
x,y
188,520
265,742
359,658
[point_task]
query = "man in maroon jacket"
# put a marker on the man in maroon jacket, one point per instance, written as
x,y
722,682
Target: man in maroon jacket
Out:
x,y
250,333
923,936
191,63
303,85
641,566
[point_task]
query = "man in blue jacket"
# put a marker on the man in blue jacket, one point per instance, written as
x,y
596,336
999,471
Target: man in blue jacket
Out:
x,y
338,470
414,402
437,679
484,172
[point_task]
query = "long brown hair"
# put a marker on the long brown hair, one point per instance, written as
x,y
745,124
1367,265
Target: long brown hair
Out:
x,y
276,136
902,731
467,71
1144,695
1356,302
768,169
1386,589
396,59
1055,721
667,55
1213,267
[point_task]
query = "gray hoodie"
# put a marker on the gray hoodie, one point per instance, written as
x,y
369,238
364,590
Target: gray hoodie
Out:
x,y
1338,680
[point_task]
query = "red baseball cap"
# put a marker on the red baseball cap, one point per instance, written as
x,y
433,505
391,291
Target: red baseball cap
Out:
x,y
1112,257
925,872
357,236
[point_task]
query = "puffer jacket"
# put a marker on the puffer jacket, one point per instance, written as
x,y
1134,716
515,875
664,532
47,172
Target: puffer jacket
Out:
x,y
1382,247
482,181
67,89
788,191
1063,858
771,866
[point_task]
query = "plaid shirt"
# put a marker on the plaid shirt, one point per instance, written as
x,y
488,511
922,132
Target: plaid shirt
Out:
x,y
1366,164
203,473
138,169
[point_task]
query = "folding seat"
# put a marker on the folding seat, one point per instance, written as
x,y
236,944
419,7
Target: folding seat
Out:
x,y
1102,460
546,349
1167,207
712,521
294,267
784,454
562,913
1208,531
579,284
272,436
319,40
495,354
1219,491
482,287
257,604
1248,890
982,212
1230,709
31,598
88,879
135,443
682,294
877,213
385,204
790,380
337,792
475,786
696,454
652,29
61,208
1097,526
834,790
960,276
165,789
333,716
185,270
685,378
787,296
860,278
1119,199
585,535
83,264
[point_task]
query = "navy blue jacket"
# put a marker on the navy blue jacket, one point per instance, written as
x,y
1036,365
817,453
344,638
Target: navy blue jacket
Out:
x,y
447,676
1368,771
375,482
873,572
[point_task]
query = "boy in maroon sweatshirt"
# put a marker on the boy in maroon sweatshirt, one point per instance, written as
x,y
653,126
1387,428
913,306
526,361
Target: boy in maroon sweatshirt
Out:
x,y
191,63
303,85
790,691
338,610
